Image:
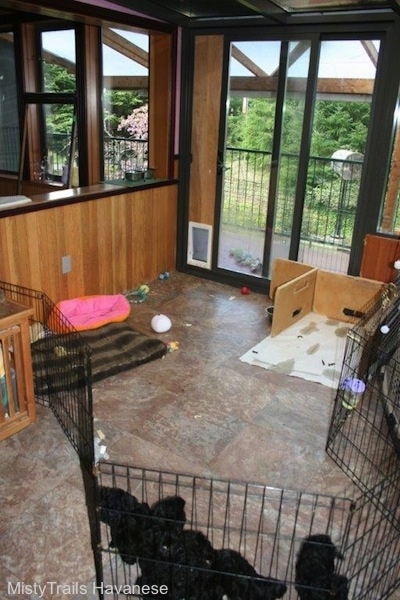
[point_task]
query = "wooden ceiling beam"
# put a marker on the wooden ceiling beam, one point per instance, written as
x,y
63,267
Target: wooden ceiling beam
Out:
x,y
110,38
246,62
68,65
298,84
125,47
126,82
371,51
360,87
294,54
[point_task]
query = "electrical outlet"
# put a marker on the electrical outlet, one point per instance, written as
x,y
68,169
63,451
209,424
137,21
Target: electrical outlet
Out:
x,y
66,264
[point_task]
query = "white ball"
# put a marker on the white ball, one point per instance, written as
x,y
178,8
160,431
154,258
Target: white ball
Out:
x,y
161,323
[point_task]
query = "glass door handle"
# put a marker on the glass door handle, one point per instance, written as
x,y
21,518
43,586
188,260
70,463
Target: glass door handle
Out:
x,y
221,168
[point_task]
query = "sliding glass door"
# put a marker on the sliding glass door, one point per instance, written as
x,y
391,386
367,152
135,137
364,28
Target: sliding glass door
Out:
x,y
345,85
295,133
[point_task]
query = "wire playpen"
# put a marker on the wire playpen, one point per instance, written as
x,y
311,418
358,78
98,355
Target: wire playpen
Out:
x,y
364,437
64,382
233,539
265,525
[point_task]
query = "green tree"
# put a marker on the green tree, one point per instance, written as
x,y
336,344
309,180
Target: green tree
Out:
x,y
234,122
258,124
58,80
336,125
292,129
119,105
339,125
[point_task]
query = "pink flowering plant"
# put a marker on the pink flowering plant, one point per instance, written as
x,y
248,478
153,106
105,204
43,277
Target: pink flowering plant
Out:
x,y
137,123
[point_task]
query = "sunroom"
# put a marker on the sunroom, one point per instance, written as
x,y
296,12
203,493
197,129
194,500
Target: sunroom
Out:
x,y
252,132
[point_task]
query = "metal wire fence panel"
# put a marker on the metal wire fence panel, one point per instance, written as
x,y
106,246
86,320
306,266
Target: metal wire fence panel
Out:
x,y
265,525
364,440
65,383
391,397
362,434
373,551
359,440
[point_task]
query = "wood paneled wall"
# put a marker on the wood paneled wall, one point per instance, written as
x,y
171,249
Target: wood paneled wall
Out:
x,y
205,127
379,256
160,84
115,244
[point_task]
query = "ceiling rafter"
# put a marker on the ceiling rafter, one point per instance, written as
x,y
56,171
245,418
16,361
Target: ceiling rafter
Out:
x,y
214,13
244,60
125,47
110,38
295,54
126,83
371,51
327,86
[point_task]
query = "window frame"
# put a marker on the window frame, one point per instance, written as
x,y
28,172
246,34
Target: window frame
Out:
x,y
88,39
14,159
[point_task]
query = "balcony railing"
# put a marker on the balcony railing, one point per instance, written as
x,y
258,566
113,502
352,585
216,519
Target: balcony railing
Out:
x,y
329,205
124,154
120,154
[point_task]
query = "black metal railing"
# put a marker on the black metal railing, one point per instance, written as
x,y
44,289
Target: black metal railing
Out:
x,y
329,205
124,154
120,155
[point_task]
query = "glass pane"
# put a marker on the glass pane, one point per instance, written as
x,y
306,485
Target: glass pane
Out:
x,y
345,86
58,61
250,133
249,137
125,102
58,130
9,122
292,125
317,5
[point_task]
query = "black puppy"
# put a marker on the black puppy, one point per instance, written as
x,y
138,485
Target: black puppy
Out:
x,y
235,578
315,566
128,520
169,513
182,564
339,587
167,519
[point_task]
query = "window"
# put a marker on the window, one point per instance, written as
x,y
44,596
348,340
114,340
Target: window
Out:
x,y
125,101
138,105
9,118
58,72
58,77
50,108
95,96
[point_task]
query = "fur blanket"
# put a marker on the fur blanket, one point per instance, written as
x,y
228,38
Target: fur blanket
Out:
x,y
64,361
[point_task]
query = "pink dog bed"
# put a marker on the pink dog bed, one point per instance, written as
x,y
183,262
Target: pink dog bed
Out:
x,y
92,312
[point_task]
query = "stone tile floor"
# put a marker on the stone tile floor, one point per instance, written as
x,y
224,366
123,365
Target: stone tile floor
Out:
x,y
198,410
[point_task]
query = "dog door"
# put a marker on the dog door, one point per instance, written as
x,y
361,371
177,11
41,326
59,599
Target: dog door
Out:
x,y
199,246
